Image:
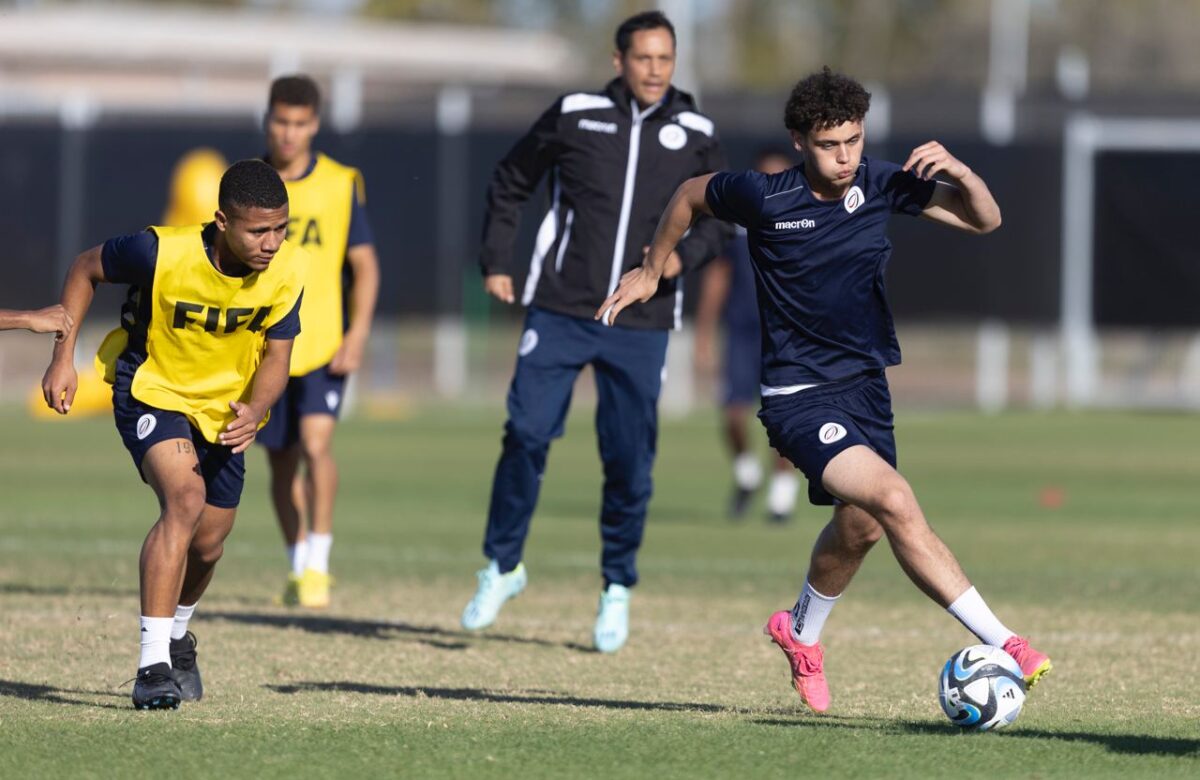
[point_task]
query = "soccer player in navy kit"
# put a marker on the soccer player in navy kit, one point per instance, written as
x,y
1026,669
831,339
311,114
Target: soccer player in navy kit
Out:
x,y
727,293
818,237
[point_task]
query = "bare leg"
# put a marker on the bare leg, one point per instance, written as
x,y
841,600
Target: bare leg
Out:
x,y
735,428
860,477
289,510
207,546
316,442
841,549
173,472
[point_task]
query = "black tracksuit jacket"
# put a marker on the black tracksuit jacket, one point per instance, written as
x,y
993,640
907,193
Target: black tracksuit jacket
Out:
x,y
612,170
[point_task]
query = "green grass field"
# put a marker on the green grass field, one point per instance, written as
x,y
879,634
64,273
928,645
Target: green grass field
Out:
x,y
386,684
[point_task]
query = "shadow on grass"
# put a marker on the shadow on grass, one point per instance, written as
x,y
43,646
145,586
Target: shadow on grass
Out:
x,y
1130,744
380,629
22,589
479,694
52,695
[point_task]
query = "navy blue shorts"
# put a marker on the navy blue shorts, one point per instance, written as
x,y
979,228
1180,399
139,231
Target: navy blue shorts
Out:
x,y
811,427
317,392
142,426
743,362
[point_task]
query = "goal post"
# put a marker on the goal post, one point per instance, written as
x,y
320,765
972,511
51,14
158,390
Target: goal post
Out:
x,y
1084,137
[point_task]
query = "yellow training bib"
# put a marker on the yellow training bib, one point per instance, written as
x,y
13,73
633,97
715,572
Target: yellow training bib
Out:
x,y
207,331
320,205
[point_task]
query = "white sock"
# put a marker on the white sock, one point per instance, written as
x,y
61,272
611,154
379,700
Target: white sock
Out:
x,y
298,556
318,552
182,616
809,614
973,613
747,473
781,497
156,641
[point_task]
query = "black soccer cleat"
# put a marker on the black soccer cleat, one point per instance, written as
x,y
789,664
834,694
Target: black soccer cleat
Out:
x,y
156,689
183,664
739,502
779,518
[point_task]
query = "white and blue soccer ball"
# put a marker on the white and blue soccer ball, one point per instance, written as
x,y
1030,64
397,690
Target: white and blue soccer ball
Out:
x,y
981,688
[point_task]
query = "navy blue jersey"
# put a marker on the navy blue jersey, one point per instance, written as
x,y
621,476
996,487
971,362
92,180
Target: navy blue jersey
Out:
x,y
741,304
819,266
131,260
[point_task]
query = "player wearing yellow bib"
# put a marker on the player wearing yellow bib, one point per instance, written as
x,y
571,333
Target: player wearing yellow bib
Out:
x,y
201,355
329,220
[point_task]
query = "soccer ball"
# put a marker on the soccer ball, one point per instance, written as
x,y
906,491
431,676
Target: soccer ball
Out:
x,y
981,688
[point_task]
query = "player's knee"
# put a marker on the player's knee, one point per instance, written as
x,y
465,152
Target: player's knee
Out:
x,y
517,437
185,504
207,552
896,506
317,449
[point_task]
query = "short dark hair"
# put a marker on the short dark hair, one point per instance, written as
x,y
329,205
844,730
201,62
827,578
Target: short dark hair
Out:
x,y
824,100
647,20
297,90
251,184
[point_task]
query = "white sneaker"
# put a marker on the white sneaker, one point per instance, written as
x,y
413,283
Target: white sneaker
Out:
x,y
494,589
781,496
612,621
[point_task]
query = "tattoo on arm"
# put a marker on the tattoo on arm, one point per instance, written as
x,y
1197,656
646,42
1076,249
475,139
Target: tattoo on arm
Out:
x,y
184,447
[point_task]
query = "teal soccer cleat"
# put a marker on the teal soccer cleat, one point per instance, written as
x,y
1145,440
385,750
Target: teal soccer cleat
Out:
x,y
494,589
612,620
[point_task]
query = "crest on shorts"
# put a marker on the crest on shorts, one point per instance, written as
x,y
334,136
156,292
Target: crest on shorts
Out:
x,y
831,432
854,198
146,425
331,400
529,342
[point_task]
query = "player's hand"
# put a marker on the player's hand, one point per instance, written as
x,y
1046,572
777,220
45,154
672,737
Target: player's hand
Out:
x,y
349,356
59,385
500,287
932,158
674,266
52,319
240,433
637,286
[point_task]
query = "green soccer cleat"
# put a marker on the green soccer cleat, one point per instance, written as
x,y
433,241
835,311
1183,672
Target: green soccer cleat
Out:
x,y
291,592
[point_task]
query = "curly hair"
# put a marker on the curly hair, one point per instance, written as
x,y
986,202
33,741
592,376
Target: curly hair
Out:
x,y
251,184
824,100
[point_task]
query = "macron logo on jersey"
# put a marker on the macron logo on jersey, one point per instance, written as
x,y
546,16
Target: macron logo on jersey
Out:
x,y
594,126
796,224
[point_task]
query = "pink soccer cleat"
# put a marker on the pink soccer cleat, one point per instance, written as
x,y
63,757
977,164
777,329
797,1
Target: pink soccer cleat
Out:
x,y
806,661
1034,665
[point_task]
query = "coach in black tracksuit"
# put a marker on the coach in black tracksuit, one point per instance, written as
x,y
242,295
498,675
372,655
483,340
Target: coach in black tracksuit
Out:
x,y
614,158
